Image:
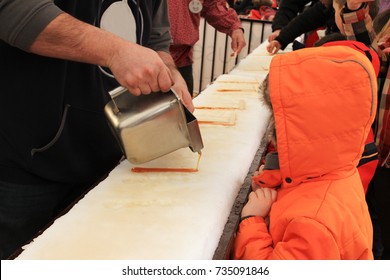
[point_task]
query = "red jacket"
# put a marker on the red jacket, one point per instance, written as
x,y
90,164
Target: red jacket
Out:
x,y
185,25
322,117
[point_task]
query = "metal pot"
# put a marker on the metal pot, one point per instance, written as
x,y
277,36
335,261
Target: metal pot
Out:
x,y
150,126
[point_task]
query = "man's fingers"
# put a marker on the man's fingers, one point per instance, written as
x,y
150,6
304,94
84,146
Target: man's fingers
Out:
x,y
145,88
164,80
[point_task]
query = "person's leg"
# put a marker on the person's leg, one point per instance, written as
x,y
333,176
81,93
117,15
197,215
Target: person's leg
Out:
x,y
382,198
27,209
186,72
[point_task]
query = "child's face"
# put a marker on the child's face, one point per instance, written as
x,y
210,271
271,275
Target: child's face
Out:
x,y
337,10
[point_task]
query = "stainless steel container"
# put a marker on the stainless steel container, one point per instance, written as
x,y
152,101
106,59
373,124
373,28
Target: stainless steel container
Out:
x,y
150,126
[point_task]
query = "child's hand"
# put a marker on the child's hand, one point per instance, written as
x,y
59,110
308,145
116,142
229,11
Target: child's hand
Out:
x,y
254,185
273,47
259,203
273,35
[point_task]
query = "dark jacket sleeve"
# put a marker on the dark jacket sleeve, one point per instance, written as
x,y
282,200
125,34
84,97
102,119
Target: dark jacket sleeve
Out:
x,y
288,9
21,21
160,37
311,19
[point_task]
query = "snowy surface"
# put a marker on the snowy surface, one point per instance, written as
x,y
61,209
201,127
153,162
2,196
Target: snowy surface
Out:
x,y
168,215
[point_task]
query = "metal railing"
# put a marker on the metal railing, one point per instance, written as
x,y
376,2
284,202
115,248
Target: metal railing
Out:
x,y
212,53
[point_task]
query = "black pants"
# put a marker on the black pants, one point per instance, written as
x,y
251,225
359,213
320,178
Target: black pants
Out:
x,y
378,199
27,209
186,72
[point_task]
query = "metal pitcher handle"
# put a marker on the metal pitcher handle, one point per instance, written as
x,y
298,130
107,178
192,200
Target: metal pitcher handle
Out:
x,y
117,91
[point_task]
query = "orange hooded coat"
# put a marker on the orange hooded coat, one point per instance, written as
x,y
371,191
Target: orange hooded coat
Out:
x,y
324,102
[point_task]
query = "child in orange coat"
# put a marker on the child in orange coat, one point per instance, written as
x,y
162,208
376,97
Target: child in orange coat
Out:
x,y
309,202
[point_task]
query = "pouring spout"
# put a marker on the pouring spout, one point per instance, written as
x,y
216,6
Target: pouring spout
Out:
x,y
196,142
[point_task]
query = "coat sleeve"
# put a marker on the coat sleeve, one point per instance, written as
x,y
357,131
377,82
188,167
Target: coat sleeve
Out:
x,y
303,239
288,9
253,240
222,18
21,21
311,19
160,37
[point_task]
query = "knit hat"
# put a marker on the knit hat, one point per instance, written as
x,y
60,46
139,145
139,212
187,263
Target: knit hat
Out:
x,y
370,53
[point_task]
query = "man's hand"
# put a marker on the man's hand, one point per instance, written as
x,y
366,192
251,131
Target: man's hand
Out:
x,y
137,68
238,40
140,70
180,85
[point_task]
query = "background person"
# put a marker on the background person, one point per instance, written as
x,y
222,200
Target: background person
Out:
x,y
185,19
287,10
355,22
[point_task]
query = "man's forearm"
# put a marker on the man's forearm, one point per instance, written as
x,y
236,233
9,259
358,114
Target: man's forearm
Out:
x,y
68,38
169,62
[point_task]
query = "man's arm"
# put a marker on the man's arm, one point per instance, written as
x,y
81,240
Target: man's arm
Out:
x,y
60,35
225,20
137,68
288,9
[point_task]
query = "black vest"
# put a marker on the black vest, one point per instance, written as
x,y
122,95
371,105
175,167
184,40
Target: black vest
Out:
x,y
52,123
